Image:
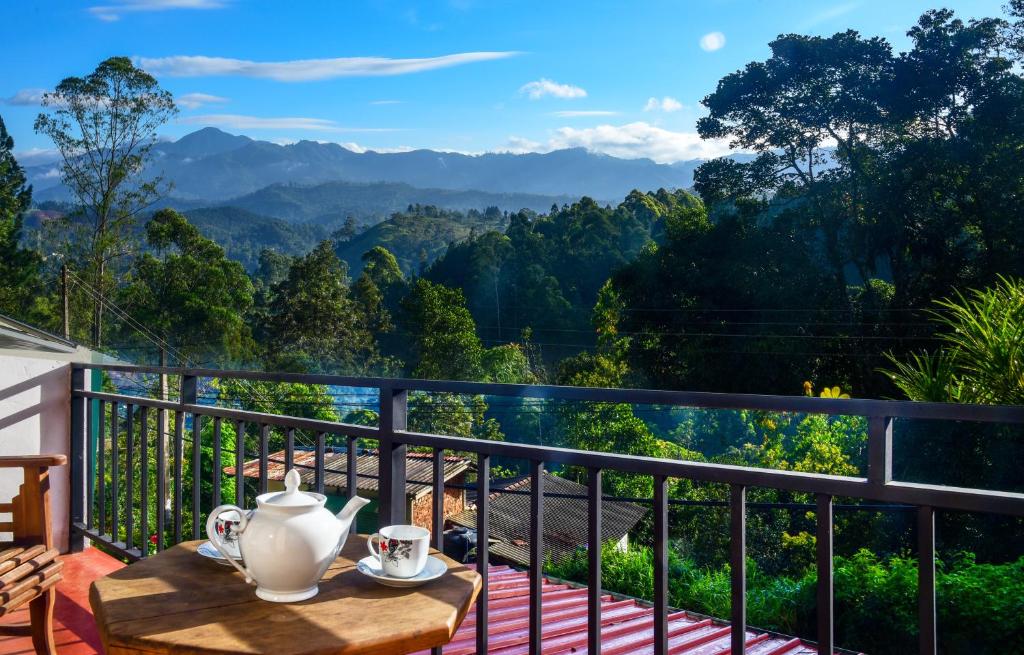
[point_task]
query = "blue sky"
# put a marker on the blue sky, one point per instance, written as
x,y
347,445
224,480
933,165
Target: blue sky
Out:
x,y
624,78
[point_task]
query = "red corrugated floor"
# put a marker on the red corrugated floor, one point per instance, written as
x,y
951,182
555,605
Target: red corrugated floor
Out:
x,y
74,627
627,626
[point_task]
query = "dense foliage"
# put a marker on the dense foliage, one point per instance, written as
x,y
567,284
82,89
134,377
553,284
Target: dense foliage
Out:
x,y
981,606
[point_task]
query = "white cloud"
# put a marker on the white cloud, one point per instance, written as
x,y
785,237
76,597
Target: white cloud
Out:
x,y
629,141
545,87
197,100
240,122
26,97
36,156
712,41
667,104
583,113
306,70
518,145
355,147
829,14
113,11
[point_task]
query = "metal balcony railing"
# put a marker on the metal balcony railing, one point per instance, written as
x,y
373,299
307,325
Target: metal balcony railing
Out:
x,y
101,522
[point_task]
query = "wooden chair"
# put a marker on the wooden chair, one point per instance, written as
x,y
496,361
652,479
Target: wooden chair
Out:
x,y
29,569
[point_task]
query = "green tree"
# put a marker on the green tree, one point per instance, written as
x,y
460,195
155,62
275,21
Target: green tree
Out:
x,y
444,341
313,323
21,290
104,126
192,296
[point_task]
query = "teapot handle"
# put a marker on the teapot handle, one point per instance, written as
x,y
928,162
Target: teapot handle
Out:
x,y
218,543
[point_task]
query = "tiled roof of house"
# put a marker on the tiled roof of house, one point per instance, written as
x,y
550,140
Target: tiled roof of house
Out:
x,y
565,519
626,625
418,469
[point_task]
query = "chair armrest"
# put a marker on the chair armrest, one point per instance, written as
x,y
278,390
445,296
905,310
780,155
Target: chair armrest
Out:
x,y
32,461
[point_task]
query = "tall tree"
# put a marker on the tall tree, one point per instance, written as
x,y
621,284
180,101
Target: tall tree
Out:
x,y
313,322
444,341
193,296
20,285
104,126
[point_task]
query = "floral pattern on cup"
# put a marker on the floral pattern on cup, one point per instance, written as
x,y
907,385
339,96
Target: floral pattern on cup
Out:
x,y
394,550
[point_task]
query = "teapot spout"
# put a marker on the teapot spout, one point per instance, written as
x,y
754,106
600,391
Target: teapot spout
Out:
x,y
348,512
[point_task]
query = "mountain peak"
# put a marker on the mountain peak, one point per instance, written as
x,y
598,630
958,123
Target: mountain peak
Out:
x,y
205,142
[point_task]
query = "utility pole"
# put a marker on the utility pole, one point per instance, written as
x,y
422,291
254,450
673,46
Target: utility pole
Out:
x,y
64,300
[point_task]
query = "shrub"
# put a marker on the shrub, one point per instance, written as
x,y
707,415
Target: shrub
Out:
x,y
981,606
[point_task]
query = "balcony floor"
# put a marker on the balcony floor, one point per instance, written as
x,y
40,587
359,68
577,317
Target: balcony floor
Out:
x,y
626,626
74,629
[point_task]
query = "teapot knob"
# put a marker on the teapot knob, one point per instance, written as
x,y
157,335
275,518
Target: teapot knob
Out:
x,y
292,481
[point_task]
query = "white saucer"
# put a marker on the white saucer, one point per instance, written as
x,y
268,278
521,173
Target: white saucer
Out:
x,y
370,567
206,549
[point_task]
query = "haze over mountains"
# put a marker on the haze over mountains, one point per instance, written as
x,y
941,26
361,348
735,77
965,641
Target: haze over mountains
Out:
x,y
212,167
249,195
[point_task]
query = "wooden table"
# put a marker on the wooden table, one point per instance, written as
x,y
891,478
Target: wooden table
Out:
x,y
180,602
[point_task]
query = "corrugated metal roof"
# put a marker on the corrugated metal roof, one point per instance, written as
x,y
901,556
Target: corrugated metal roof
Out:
x,y
418,467
627,626
565,519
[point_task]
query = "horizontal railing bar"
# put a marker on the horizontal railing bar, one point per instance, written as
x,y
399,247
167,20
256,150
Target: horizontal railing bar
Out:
x,y
279,420
970,500
696,399
107,540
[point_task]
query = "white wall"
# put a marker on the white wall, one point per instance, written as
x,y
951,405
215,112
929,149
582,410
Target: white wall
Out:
x,y
35,413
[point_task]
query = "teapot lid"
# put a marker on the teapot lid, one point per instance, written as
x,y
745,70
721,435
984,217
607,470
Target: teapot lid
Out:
x,y
291,496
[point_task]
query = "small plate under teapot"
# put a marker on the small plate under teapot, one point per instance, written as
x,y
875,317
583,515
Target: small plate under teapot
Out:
x,y
370,567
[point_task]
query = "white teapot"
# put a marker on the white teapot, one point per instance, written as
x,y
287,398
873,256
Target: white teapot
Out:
x,y
288,541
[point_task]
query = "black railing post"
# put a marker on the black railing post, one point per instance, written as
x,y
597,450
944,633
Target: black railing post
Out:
x,y
351,473
594,545
161,478
240,428
79,444
660,565
115,473
880,450
824,555
218,465
393,418
197,474
144,481
129,481
536,555
738,564
926,580
264,462
320,457
189,395
438,497
483,549
289,450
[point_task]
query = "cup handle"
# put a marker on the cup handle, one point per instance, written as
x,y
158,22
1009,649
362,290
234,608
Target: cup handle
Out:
x,y
369,544
218,543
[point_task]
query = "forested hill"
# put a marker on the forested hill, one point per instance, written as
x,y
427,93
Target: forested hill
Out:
x,y
418,236
369,202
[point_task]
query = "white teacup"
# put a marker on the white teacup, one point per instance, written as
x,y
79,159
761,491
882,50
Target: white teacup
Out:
x,y
402,551
227,529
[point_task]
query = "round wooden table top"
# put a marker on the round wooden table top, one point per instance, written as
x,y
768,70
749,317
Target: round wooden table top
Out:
x,y
181,602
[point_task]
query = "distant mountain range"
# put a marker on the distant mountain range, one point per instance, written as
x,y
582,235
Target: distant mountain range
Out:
x,y
210,166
